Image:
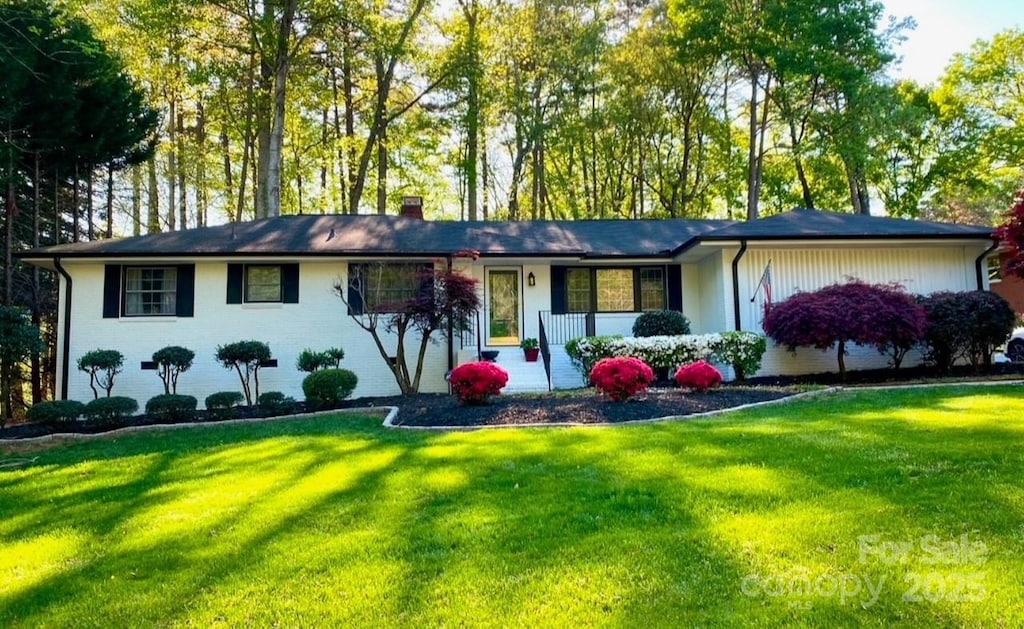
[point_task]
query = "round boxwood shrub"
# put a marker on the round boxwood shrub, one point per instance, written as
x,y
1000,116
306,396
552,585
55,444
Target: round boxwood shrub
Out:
x,y
110,410
327,387
699,376
661,323
475,383
622,377
276,403
55,412
221,405
172,407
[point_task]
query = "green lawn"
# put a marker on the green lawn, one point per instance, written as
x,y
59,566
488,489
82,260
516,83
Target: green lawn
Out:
x,y
791,514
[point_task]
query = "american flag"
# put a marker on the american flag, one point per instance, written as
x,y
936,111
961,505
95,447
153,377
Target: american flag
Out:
x,y
766,284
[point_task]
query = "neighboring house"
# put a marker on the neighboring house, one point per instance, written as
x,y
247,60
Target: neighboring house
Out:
x,y
272,280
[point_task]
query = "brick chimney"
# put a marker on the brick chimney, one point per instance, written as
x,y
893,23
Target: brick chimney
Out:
x,y
412,207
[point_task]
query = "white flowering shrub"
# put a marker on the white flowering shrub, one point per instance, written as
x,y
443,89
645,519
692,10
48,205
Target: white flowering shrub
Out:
x,y
742,350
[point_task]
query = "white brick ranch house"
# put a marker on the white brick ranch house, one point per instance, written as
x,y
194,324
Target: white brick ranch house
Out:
x,y
272,280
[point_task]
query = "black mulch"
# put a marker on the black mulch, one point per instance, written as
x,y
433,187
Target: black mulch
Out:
x,y
584,406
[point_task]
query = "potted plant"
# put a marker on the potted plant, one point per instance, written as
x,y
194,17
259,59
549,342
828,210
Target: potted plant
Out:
x,y
531,348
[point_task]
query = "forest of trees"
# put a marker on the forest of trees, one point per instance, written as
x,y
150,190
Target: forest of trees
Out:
x,y
122,117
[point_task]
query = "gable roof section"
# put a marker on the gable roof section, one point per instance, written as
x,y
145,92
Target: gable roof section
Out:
x,y
393,236
801,224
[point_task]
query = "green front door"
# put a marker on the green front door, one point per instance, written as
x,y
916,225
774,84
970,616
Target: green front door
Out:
x,y
503,307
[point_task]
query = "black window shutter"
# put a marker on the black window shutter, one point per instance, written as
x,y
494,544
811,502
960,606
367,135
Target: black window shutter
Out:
x,y
112,291
290,283
236,277
355,298
558,290
674,279
186,297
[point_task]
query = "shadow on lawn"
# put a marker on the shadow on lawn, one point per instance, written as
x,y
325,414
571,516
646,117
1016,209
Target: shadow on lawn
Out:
x,y
503,527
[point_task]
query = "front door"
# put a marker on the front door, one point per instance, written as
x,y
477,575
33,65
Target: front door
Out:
x,y
503,307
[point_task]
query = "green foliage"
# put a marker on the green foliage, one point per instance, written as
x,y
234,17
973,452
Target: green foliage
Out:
x,y
172,361
661,323
172,407
222,405
110,410
742,350
245,357
19,339
310,361
55,412
102,365
585,351
327,387
529,343
276,403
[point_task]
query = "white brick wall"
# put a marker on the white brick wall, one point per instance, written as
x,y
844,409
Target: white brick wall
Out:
x,y
317,322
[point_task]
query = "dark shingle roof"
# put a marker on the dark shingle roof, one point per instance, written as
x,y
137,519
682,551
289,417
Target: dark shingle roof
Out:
x,y
802,224
371,235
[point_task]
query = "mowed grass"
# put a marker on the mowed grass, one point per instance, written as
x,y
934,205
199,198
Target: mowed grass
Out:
x,y
761,518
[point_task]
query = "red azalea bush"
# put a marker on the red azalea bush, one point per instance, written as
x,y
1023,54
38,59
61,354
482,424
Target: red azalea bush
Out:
x,y
699,376
474,383
622,377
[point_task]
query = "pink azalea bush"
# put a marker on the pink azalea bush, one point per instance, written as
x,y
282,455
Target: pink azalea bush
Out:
x,y
699,376
622,377
475,383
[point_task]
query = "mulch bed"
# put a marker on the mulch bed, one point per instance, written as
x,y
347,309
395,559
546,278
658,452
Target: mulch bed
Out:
x,y
582,407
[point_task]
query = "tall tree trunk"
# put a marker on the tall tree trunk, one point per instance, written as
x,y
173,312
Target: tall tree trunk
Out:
x,y
282,65
179,148
229,184
153,205
172,165
11,208
136,199
109,232
90,219
37,296
484,177
382,171
470,9
348,92
75,204
200,183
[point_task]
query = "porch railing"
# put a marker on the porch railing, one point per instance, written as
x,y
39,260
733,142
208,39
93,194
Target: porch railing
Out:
x,y
545,349
470,336
563,327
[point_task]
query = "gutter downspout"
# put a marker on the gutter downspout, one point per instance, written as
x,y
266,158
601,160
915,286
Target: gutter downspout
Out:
x,y
981,259
736,285
67,328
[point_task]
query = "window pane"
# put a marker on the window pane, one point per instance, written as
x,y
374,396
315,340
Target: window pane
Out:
x,y
615,290
578,290
385,286
652,289
150,291
263,283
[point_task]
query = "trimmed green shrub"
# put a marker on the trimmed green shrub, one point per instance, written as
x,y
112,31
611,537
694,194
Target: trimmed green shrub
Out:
x,y
276,403
221,405
310,361
246,358
661,323
101,365
327,387
171,362
172,407
55,412
742,350
110,410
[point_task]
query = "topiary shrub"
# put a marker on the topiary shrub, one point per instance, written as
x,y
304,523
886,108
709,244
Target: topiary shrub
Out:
x,y
310,361
327,387
110,410
966,325
742,350
475,383
172,407
246,358
55,412
171,362
699,376
101,365
622,377
661,323
221,405
276,403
